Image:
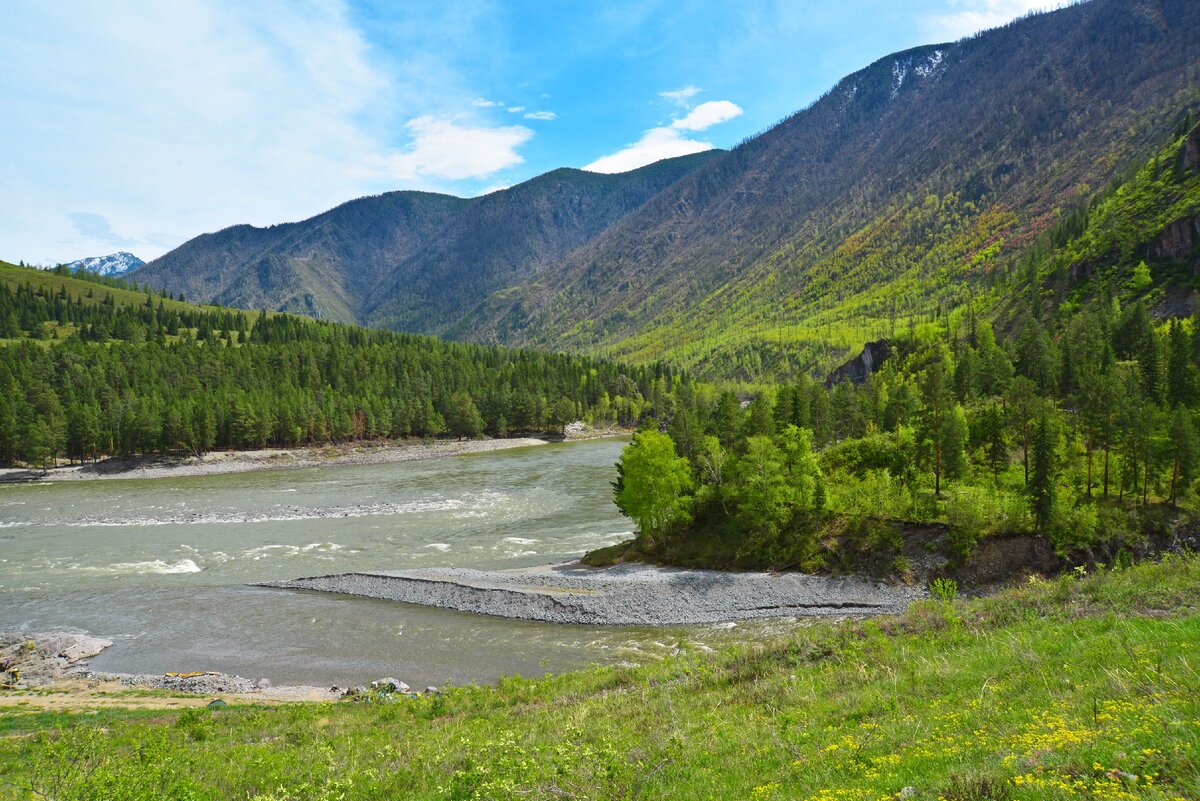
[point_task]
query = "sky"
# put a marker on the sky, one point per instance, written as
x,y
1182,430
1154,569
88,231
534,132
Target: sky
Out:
x,y
138,124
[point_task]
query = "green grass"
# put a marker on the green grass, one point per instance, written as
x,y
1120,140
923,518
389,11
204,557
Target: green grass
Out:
x,y
1073,688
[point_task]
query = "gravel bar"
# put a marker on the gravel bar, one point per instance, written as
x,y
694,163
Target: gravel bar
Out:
x,y
626,595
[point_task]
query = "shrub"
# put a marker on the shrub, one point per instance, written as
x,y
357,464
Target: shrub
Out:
x,y
944,589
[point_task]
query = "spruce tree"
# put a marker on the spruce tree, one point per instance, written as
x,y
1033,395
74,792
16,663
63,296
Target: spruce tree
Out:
x,y
1043,473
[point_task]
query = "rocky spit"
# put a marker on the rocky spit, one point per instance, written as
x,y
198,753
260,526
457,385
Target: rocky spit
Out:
x,y
50,659
626,595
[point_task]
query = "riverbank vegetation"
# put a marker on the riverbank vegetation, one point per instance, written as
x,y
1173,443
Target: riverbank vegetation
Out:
x,y
90,370
1065,408
1082,687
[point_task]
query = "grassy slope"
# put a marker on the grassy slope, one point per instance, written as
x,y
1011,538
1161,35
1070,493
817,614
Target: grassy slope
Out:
x,y
13,276
1077,688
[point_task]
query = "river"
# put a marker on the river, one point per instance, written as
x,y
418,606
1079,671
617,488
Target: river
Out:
x,y
164,567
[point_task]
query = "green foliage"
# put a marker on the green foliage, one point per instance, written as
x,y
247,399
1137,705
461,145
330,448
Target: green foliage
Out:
x,y
1043,472
653,486
944,589
1083,682
139,374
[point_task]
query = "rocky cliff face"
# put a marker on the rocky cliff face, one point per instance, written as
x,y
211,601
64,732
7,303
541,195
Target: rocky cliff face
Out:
x,y
1191,150
873,355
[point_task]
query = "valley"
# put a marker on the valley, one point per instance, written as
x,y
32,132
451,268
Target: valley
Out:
x,y
858,460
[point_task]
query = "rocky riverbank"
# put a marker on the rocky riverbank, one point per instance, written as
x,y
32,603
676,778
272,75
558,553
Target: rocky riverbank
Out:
x,y
58,661
220,462
626,595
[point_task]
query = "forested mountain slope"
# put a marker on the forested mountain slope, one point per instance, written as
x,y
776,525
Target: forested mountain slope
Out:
x,y
911,186
410,261
878,202
91,367
1069,429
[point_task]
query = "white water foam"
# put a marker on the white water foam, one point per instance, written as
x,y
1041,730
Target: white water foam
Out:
x,y
152,566
263,551
287,514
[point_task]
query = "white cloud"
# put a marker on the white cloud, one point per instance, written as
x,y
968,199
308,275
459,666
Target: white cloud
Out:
x,y
682,96
656,144
480,102
669,141
142,124
445,149
541,115
707,115
515,109
972,16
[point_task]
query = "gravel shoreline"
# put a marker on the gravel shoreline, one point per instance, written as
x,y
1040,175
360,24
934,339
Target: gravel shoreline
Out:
x,y
222,462
59,660
626,595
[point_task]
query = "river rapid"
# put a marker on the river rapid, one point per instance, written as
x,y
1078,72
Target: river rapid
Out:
x,y
164,567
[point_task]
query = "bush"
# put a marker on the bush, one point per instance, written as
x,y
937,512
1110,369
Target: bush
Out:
x,y
944,589
1073,528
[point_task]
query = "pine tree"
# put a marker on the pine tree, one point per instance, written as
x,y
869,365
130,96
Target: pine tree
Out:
x,y
1185,455
1043,474
1181,375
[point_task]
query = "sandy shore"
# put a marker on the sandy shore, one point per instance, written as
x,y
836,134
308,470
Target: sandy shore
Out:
x,y
626,595
220,462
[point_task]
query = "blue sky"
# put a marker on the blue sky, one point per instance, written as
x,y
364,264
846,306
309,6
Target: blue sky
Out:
x,y
138,125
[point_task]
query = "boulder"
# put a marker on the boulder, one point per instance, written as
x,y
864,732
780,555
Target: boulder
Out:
x,y
389,685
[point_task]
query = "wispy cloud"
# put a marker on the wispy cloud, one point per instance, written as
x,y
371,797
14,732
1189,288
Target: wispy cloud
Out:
x,y
682,96
164,121
541,115
450,150
971,16
96,228
669,141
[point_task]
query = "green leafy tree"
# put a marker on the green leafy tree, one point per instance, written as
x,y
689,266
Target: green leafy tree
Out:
x,y
653,485
463,419
936,422
763,496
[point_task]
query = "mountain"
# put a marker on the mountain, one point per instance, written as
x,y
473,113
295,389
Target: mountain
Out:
x,y
111,265
911,187
411,261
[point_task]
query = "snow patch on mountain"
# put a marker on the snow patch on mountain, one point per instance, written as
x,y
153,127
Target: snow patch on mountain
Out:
x,y
930,65
112,264
899,73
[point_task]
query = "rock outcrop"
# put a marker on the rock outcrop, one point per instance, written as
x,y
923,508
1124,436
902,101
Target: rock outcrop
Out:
x,y
873,355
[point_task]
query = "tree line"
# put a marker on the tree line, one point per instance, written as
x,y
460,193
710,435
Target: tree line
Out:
x,y
122,378
1074,430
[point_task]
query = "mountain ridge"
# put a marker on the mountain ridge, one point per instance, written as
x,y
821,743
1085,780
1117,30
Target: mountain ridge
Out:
x,y
905,189
335,264
112,265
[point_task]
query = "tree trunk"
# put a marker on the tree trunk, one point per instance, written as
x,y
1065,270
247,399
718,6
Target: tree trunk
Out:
x,y
1106,446
1090,445
1025,450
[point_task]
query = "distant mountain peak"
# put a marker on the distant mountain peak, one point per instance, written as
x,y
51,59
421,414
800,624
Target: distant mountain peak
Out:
x,y
112,264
